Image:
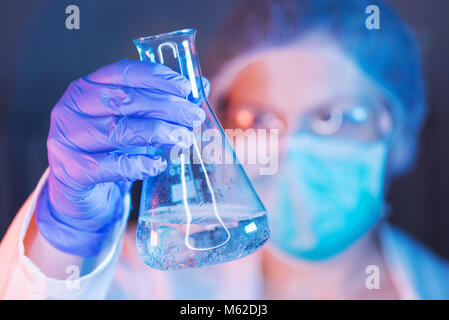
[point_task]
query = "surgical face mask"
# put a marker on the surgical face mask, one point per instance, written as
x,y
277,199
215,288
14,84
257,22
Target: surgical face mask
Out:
x,y
329,194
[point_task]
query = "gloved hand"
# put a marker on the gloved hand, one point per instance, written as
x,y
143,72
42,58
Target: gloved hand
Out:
x,y
120,106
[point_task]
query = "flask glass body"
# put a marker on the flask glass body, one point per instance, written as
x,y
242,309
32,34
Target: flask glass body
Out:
x,y
202,210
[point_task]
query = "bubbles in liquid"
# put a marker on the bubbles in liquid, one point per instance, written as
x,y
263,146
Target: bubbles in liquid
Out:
x,y
161,236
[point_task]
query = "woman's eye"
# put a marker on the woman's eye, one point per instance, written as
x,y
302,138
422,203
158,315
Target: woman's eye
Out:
x,y
327,122
244,118
249,118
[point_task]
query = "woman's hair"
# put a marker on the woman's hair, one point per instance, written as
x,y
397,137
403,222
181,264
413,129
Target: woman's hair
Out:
x,y
388,55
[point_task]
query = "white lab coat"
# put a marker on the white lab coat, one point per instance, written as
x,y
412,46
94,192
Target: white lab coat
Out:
x,y
416,273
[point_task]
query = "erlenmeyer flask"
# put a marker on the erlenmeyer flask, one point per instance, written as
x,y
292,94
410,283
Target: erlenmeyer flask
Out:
x,y
202,209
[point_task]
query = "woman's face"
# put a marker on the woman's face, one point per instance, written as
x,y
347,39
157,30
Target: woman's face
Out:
x,y
332,153
310,86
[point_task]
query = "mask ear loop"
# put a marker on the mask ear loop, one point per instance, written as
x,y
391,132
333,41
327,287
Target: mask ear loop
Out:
x,y
186,204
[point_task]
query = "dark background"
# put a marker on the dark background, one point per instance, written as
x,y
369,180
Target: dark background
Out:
x,y
39,57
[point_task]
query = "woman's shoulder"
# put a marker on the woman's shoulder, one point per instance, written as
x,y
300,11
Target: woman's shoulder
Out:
x,y
426,272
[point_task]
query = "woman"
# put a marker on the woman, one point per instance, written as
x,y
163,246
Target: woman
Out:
x,y
348,103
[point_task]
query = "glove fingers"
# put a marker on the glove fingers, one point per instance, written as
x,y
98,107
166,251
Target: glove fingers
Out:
x,y
139,74
123,167
97,100
106,134
125,187
151,131
79,171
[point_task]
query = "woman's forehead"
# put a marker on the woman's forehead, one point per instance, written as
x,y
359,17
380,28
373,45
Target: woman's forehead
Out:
x,y
297,78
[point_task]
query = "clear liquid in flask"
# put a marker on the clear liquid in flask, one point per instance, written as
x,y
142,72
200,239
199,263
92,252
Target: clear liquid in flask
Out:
x,y
162,235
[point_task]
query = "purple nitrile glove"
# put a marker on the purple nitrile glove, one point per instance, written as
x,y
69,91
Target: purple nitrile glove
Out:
x,y
121,106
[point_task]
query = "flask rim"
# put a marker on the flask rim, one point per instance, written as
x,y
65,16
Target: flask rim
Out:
x,y
172,34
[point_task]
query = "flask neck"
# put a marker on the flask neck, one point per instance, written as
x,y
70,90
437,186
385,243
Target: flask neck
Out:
x,y
177,51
